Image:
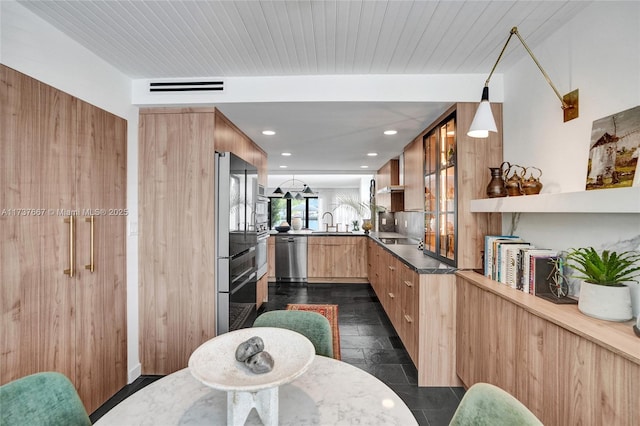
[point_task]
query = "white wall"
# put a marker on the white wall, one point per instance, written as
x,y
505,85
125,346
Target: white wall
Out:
x,y
30,45
597,52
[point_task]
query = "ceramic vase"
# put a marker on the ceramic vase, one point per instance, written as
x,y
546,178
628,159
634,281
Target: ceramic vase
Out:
x,y
611,303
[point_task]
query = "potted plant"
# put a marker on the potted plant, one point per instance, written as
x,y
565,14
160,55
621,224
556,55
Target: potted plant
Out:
x,y
603,294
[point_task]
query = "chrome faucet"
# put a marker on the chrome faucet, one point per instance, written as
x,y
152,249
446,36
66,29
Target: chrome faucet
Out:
x,y
327,226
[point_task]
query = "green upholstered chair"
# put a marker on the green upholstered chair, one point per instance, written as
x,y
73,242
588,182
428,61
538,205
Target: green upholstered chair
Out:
x,y
41,399
312,325
485,404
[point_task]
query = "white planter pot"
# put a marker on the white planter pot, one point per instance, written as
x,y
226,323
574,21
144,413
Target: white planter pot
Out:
x,y
605,302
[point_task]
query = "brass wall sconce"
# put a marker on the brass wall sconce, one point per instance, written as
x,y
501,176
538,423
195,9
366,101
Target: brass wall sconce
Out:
x,y
483,122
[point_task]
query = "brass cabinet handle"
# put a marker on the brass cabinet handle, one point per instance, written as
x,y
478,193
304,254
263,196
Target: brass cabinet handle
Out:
x,y
69,271
408,283
391,295
408,318
91,265
392,268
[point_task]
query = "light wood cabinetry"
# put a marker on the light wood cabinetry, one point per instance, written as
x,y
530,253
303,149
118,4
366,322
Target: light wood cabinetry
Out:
x,y
262,290
421,308
414,175
337,258
567,368
62,159
176,228
271,258
456,172
387,176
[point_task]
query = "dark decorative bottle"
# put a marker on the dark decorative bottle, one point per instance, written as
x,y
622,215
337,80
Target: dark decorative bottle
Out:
x,y
496,186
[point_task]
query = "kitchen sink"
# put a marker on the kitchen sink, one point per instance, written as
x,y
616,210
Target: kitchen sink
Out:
x,y
399,241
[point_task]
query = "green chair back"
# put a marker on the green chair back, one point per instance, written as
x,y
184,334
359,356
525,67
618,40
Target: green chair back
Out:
x,y
488,405
41,399
312,325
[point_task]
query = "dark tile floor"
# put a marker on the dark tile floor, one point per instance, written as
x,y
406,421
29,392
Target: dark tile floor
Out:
x,y
367,341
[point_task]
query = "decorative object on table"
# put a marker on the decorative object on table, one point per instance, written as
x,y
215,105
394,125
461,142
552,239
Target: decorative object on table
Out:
x,y
330,312
213,363
283,227
367,225
248,348
421,245
531,185
251,352
496,187
614,150
603,294
483,122
260,363
296,223
356,225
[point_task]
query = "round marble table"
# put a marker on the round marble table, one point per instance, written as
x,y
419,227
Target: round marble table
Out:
x,y
330,392
214,364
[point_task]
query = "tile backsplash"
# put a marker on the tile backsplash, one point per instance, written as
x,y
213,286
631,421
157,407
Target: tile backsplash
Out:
x,y
410,224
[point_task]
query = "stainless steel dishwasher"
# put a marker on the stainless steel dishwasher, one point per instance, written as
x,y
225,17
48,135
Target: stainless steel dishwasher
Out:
x,y
291,258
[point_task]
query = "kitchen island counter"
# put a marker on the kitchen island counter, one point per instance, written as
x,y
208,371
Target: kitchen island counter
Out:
x,y
410,255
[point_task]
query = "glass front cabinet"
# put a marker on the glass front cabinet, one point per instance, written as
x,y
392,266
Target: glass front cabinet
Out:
x,y
440,235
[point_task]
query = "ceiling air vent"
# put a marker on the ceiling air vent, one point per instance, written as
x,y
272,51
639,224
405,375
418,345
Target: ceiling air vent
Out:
x,y
187,86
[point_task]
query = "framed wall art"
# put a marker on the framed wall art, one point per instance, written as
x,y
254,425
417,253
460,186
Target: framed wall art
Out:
x,y
614,150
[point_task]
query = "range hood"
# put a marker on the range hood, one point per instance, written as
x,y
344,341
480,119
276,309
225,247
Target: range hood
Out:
x,y
391,188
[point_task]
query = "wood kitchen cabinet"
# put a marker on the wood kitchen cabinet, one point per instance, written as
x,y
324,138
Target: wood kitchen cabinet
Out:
x,y
567,368
421,308
456,170
176,229
337,258
414,175
63,163
386,177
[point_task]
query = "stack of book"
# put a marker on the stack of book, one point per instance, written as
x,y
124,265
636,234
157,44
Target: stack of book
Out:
x,y
512,261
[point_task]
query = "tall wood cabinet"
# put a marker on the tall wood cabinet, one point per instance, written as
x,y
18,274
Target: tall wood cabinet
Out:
x,y
453,170
63,204
177,229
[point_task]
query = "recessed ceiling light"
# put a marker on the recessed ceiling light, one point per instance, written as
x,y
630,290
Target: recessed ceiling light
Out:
x,y
283,167
286,154
364,167
372,154
268,132
390,132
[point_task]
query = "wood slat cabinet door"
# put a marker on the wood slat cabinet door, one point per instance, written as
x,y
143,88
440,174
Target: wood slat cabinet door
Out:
x,y
58,149
410,301
414,175
337,257
38,323
100,253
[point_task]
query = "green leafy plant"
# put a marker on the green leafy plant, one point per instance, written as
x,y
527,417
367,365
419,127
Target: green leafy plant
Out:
x,y
610,268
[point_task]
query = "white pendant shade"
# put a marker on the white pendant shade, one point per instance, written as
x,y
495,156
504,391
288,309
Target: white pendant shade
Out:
x,y
483,122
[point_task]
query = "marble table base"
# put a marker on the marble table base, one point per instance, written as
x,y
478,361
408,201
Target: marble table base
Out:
x,y
240,404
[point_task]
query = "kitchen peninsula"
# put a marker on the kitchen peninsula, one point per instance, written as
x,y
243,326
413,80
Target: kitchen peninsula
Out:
x,y
416,291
